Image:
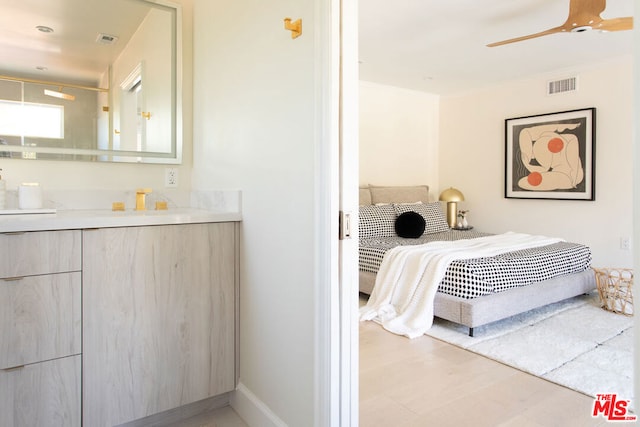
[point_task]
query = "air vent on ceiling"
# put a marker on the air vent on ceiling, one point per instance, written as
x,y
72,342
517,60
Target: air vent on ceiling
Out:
x,y
555,87
106,38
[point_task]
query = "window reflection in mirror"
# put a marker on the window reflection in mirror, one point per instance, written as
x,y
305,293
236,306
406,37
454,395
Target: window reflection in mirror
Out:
x,y
126,112
46,116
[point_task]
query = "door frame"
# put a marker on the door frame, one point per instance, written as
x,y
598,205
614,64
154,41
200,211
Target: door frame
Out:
x,y
336,368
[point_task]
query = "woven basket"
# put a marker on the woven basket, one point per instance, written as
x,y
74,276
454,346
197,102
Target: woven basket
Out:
x,y
615,289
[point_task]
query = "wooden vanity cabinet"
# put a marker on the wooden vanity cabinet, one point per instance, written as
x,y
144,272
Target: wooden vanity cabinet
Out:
x,y
159,318
40,329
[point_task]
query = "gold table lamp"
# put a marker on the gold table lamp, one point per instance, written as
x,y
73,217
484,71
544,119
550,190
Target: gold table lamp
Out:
x,y
452,196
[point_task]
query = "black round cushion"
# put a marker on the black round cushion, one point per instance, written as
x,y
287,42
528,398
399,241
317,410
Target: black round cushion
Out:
x,y
410,224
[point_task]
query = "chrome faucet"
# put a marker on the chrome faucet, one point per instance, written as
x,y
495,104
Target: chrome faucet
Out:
x,y
140,198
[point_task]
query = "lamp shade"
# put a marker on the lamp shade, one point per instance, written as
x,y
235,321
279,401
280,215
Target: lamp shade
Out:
x,y
451,195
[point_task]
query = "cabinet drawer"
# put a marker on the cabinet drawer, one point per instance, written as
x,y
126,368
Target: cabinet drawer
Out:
x,y
40,252
40,318
42,394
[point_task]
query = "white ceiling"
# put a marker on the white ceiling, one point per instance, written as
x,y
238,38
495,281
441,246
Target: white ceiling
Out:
x,y
439,46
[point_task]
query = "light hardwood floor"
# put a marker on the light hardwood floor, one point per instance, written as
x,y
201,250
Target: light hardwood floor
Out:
x,y
426,382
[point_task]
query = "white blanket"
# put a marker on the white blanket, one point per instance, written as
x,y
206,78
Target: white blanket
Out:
x,y
408,278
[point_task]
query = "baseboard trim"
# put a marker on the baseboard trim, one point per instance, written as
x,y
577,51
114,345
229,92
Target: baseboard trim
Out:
x,y
253,410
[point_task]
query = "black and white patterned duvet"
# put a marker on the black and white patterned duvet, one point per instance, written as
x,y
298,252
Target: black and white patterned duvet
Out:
x,y
471,278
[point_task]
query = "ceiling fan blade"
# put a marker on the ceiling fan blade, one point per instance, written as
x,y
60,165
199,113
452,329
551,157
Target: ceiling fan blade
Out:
x,y
615,24
583,11
583,15
530,36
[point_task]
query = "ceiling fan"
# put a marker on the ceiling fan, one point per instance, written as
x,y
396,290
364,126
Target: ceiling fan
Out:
x,y
584,15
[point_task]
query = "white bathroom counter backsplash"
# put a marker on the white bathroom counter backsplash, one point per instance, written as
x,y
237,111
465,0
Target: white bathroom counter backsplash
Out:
x,y
78,210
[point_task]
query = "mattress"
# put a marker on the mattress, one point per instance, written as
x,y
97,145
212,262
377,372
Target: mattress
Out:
x,y
475,277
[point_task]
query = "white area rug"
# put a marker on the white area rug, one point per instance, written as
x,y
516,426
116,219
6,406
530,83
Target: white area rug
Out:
x,y
574,343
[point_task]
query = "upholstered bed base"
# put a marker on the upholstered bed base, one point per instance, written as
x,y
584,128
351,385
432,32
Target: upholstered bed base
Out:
x,y
490,308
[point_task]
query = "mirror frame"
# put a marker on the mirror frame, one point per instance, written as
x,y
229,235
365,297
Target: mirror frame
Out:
x,y
122,156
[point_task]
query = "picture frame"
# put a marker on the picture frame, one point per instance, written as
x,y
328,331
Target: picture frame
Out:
x,y
551,156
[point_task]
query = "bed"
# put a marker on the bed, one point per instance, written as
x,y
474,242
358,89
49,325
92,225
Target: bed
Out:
x,y
476,291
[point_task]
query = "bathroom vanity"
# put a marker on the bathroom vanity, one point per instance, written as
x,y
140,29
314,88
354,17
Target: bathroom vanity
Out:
x,y
117,317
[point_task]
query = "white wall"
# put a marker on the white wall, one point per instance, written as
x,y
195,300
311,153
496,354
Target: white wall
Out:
x,y
65,175
398,136
472,159
254,108
397,148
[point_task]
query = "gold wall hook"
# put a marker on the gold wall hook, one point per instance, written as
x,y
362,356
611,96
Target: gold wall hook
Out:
x,y
146,115
294,27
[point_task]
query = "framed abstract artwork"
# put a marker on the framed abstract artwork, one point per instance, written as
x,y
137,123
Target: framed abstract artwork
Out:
x,y
551,156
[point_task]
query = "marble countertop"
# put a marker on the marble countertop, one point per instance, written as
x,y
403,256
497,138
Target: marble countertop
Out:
x,y
102,218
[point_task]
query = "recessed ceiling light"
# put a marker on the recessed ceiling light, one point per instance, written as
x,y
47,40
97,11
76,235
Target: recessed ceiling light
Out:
x,y
44,29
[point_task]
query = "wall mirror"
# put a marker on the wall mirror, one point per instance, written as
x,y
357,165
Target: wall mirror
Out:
x,y
91,80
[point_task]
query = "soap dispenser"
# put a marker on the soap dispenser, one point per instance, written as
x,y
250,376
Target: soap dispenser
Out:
x,y
3,192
